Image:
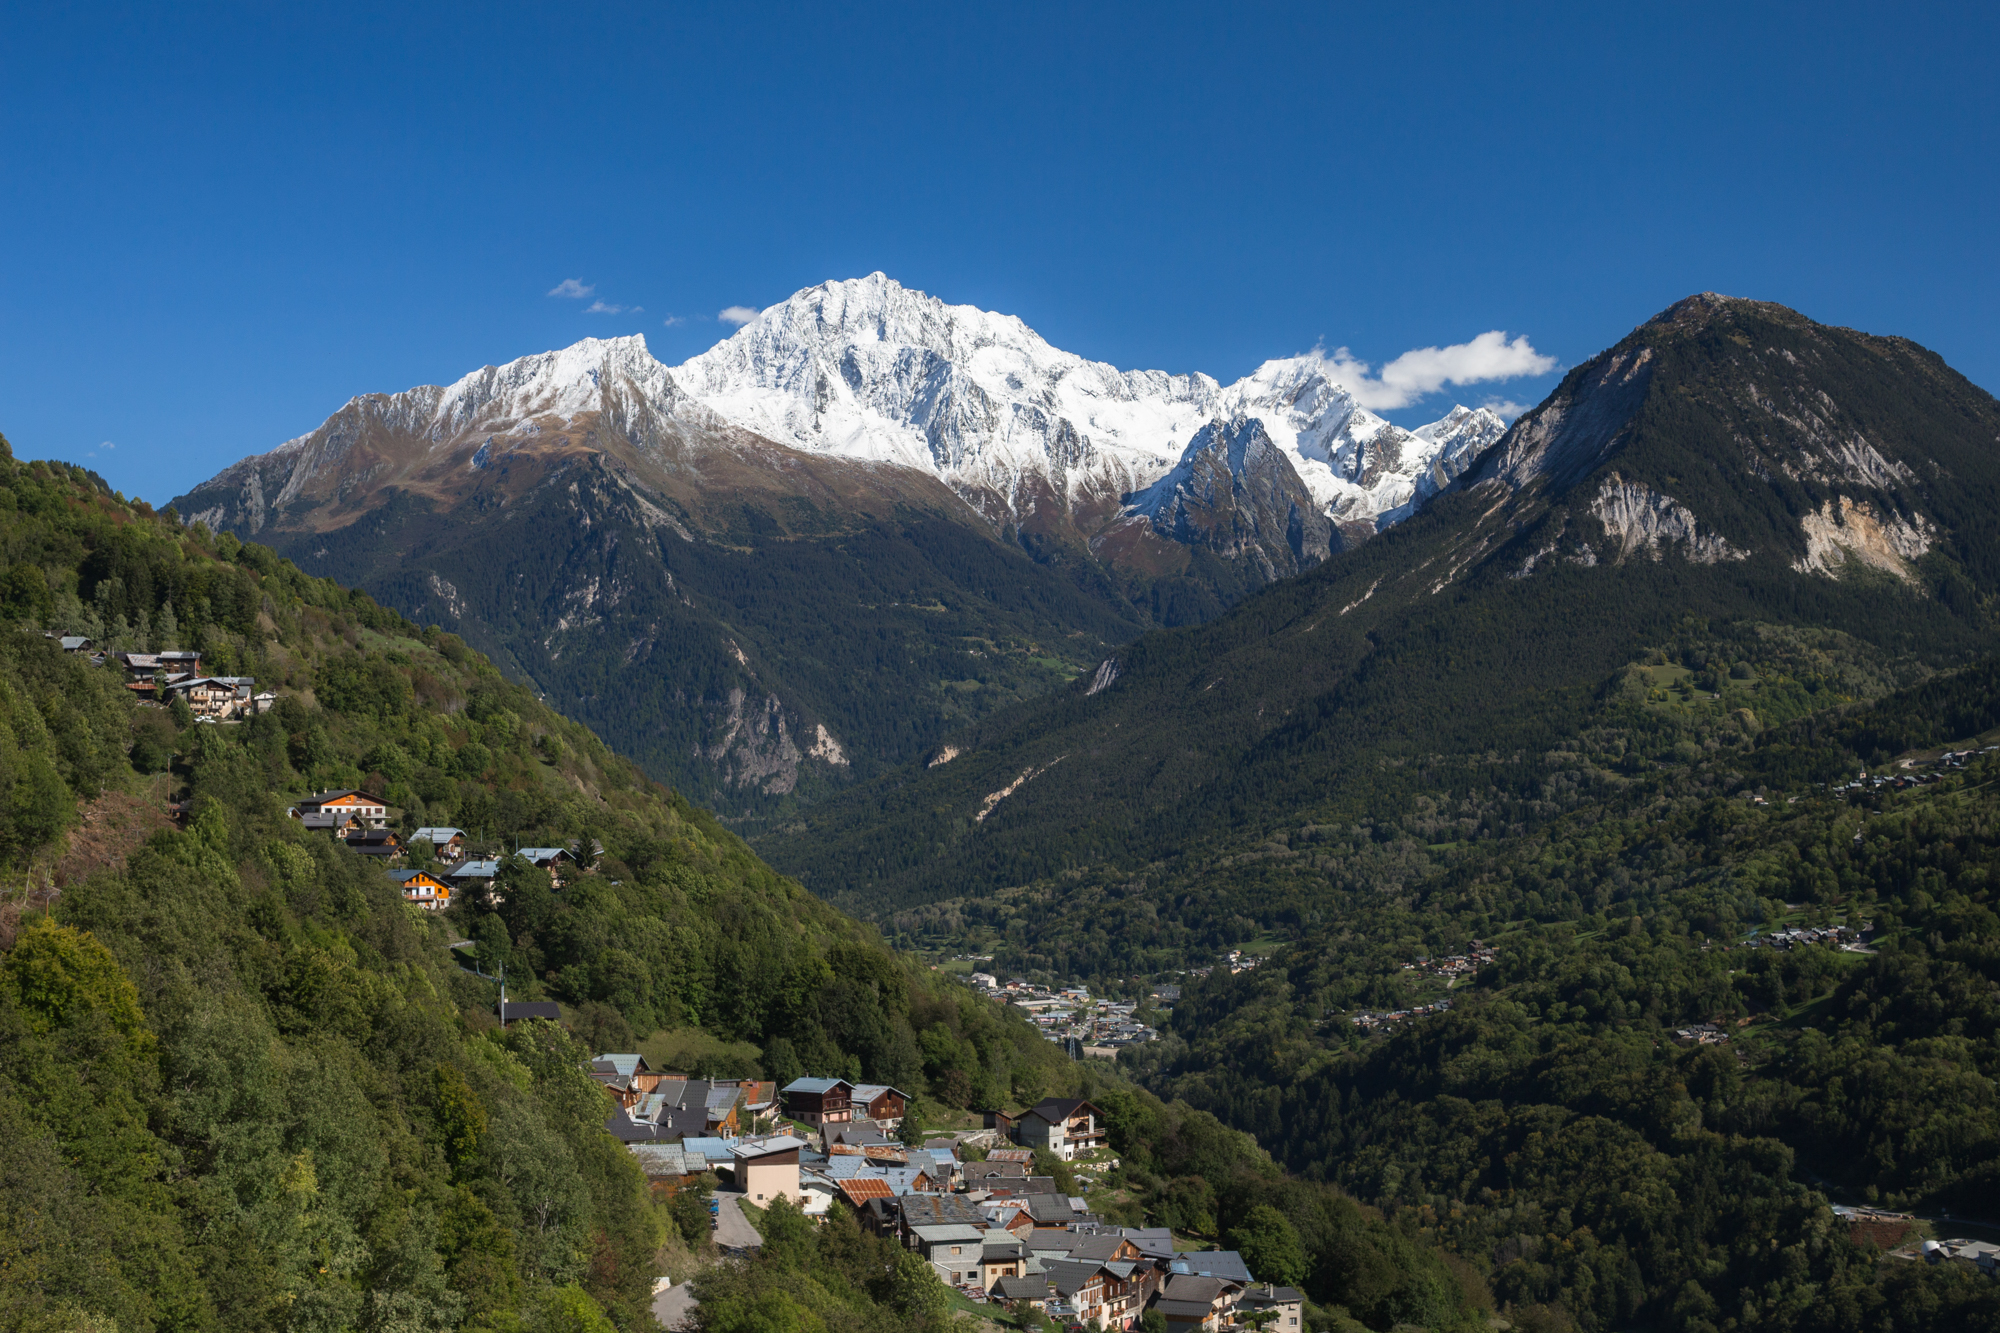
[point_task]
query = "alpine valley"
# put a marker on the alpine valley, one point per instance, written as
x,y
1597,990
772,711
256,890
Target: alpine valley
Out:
x,y
1570,849
865,520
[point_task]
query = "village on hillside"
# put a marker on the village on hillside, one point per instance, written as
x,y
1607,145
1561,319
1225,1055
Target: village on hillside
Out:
x,y
970,1202
161,678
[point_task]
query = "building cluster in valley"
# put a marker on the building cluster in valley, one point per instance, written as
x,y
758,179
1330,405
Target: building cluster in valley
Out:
x,y
1069,1014
991,1228
160,678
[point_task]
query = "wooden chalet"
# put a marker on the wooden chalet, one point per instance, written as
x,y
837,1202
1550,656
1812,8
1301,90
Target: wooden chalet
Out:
x,y
347,801
1066,1126
819,1101
422,888
381,842
216,697
559,862
628,1078
447,844
881,1103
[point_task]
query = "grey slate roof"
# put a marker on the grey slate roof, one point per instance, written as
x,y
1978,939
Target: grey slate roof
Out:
x,y
948,1233
1153,1242
1203,1291
1225,1264
1022,1288
935,1209
666,1159
1069,1275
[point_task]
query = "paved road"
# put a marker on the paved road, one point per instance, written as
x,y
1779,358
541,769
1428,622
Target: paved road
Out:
x,y
733,1232
673,1305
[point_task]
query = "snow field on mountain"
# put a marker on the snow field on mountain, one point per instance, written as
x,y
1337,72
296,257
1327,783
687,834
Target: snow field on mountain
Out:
x,y
870,370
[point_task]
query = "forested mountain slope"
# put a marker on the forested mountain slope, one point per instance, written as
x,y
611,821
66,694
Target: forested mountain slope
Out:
x,y
1729,465
244,1085
1554,1124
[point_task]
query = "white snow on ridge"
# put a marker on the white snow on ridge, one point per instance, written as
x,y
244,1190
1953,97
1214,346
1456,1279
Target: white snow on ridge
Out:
x,y
867,368
870,369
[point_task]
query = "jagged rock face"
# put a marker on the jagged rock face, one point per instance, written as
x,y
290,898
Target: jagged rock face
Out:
x,y
1365,473
1846,529
1236,493
1640,519
1724,429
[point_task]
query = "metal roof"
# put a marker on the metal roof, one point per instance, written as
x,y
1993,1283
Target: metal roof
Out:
x,y
748,1148
862,1188
946,1232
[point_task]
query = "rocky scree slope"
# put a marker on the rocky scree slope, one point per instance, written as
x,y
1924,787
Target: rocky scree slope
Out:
x,y
1730,461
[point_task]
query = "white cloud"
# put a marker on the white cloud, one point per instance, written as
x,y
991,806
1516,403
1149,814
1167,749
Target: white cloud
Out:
x,y
572,288
1424,370
672,321
606,308
1505,408
738,315
107,445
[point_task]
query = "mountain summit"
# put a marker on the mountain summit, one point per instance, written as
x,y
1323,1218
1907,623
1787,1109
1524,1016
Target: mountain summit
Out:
x,y
1729,475
1030,436
864,518
870,369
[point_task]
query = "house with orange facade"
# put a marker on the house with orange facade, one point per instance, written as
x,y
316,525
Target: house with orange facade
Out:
x,y
423,889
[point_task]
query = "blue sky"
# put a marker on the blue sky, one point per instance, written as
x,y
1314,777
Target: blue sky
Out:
x,y
220,222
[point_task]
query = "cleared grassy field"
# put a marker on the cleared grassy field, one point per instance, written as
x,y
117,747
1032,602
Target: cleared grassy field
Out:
x,y
682,1050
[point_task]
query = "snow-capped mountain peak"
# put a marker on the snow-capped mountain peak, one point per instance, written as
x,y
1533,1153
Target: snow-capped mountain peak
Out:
x,y
871,370
868,368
